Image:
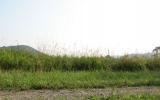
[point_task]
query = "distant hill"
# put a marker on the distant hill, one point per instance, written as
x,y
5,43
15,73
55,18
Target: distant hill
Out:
x,y
22,48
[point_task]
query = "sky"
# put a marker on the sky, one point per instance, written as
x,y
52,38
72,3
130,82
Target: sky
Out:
x,y
122,26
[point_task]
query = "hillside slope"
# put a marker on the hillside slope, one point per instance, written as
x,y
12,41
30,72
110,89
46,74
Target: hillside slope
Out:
x,y
21,48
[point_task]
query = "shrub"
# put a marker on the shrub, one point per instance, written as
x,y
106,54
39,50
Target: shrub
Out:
x,y
153,64
127,63
28,61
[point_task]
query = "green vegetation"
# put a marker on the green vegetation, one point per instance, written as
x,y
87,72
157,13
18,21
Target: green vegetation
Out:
x,y
11,59
128,97
27,70
83,79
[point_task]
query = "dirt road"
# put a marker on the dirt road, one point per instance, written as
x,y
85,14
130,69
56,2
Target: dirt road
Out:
x,y
73,94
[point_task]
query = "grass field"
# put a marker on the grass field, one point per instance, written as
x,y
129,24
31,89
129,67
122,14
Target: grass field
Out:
x,y
21,80
21,70
28,61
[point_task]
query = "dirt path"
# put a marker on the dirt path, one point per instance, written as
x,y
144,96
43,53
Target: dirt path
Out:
x,y
73,94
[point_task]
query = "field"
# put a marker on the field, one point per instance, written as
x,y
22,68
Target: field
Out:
x,y
25,71
21,80
11,59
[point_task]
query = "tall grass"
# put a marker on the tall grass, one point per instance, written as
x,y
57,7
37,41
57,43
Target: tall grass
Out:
x,y
22,60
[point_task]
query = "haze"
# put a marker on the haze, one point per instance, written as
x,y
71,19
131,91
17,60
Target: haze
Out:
x,y
122,26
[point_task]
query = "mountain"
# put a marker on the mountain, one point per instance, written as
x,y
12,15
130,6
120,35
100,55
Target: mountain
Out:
x,y
22,48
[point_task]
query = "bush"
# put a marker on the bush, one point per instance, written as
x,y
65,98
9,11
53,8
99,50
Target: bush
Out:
x,y
153,64
28,61
127,63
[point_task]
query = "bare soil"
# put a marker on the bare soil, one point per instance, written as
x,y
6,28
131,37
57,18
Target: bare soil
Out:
x,y
74,94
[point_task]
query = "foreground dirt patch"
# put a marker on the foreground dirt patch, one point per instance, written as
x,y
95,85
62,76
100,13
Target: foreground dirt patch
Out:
x,y
74,94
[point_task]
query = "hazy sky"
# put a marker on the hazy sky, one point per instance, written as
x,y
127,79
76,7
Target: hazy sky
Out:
x,y
122,26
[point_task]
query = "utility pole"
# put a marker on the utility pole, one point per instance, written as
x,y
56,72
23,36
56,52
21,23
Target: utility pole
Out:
x,y
108,55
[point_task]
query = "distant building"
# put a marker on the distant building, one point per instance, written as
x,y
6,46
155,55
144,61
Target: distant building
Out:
x,y
156,51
